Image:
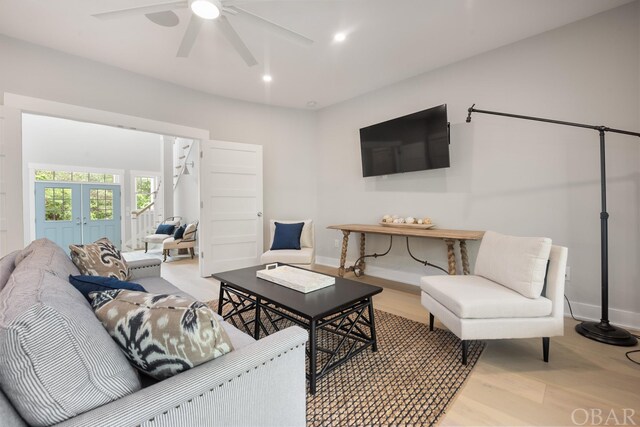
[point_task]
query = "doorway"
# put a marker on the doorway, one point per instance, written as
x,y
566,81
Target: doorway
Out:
x,y
72,213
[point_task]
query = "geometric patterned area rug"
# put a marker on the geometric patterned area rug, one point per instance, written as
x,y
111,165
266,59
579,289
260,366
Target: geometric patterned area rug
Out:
x,y
409,381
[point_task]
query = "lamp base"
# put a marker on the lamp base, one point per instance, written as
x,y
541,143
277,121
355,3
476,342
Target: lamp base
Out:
x,y
605,333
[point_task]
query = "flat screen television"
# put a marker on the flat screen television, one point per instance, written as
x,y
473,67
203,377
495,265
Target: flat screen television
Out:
x,y
414,142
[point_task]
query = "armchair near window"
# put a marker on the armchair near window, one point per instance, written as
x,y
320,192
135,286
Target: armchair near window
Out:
x,y
188,241
159,237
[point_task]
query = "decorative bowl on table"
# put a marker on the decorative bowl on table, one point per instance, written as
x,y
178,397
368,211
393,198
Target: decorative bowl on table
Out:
x,y
408,222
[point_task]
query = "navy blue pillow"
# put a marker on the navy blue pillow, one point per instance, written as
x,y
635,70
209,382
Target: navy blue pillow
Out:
x,y
179,234
86,284
287,236
165,229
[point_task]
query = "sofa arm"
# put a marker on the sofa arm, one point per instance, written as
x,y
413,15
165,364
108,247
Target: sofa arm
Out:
x,y
144,268
261,384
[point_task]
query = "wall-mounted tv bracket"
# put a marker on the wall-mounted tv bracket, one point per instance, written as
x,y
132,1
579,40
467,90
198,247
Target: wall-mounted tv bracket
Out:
x,y
358,266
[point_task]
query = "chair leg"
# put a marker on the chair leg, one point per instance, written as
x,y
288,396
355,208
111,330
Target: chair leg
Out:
x,y
465,348
545,348
164,252
431,319
146,247
191,252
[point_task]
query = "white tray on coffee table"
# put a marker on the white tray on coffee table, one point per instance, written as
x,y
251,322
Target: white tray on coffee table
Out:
x,y
298,279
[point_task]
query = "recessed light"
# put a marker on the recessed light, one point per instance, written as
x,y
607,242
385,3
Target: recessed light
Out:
x,y
340,37
267,78
205,9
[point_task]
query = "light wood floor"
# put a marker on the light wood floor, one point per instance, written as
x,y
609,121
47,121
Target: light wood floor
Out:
x,y
510,385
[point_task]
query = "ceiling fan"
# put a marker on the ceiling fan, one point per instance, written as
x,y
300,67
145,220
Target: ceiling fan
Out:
x,y
217,10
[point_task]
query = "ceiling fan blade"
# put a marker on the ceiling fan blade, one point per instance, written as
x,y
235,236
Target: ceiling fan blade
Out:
x,y
290,34
235,40
189,38
159,7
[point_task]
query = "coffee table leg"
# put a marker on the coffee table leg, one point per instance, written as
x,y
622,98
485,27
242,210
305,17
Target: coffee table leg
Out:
x,y
373,326
256,329
221,298
312,358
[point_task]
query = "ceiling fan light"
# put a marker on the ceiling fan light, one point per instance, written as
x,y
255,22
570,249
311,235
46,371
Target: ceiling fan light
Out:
x,y
205,9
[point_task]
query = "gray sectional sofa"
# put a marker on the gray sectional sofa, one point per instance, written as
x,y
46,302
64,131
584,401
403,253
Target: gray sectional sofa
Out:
x,y
59,366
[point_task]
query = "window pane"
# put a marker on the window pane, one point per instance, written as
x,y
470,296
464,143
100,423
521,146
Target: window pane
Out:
x,y
63,176
101,204
108,178
80,176
57,204
43,175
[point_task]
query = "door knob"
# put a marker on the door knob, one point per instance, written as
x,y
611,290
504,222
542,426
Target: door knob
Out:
x,y
77,220
84,220
259,213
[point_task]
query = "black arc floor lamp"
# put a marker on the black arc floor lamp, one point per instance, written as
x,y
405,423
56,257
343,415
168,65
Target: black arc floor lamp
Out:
x,y
601,331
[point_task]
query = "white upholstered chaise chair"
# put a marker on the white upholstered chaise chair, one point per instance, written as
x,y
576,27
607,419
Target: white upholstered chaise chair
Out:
x,y
515,293
159,238
188,241
304,257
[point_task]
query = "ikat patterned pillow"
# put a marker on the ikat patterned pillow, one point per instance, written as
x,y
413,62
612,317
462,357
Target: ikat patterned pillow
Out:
x,y
162,335
100,258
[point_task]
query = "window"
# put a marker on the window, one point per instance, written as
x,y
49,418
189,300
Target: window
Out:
x,y
67,176
101,204
144,191
57,204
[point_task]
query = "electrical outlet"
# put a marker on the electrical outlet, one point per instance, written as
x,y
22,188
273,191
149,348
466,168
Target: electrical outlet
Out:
x,y
336,243
567,274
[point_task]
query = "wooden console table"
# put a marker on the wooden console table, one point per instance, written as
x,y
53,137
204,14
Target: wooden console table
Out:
x,y
448,236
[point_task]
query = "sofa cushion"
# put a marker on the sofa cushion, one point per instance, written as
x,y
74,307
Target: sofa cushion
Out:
x,y
190,231
45,254
156,238
56,359
288,256
158,285
179,233
162,335
87,284
306,238
519,263
238,338
474,297
287,236
7,265
100,258
165,229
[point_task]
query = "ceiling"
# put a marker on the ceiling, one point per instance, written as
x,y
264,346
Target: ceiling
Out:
x,y
387,41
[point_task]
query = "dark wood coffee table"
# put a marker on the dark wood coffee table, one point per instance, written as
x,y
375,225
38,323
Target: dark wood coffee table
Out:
x,y
339,318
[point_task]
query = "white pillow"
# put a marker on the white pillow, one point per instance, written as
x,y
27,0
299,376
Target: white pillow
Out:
x,y
518,263
306,237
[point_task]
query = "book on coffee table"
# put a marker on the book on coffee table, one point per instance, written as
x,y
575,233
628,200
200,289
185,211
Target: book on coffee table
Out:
x,y
298,279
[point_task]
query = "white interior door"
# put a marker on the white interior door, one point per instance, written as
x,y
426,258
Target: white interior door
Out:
x,y
11,238
231,221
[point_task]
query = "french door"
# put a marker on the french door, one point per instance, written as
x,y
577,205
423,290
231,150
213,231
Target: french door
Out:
x,y
70,213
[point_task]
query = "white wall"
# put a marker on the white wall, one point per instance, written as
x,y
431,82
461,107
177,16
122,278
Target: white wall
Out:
x,y
287,135
511,176
55,141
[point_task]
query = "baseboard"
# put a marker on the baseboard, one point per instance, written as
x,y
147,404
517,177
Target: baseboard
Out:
x,y
591,312
625,319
